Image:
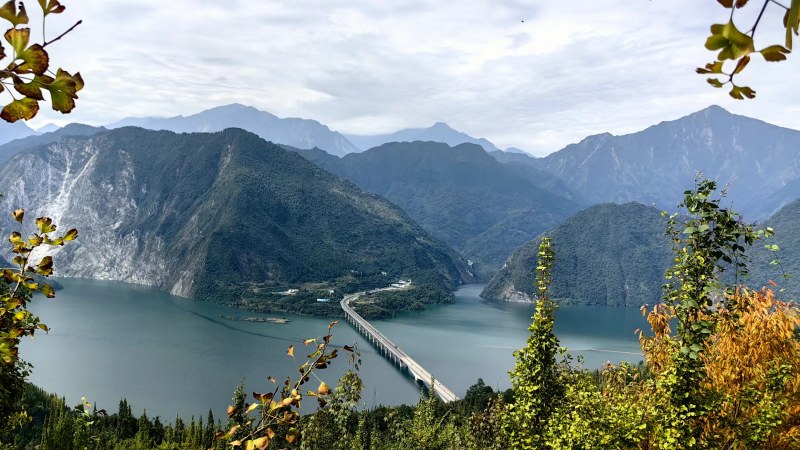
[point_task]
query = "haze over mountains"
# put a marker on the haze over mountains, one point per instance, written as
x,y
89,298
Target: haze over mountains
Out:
x,y
439,132
473,202
16,130
300,133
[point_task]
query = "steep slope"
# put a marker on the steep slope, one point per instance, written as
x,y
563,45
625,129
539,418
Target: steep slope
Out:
x,y
438,132
226,217
607,254
786,224
16,130
655,165
300,133
461,194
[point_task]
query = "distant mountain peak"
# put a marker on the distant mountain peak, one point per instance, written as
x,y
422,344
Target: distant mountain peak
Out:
x,y
438,132
295,132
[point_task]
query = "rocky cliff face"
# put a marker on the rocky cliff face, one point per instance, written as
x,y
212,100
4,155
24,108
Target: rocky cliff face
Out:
x,y
213,216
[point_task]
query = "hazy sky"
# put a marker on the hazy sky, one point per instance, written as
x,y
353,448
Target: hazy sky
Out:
x,y
532,74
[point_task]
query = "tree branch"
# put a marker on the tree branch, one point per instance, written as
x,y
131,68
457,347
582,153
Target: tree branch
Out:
x,y
62,34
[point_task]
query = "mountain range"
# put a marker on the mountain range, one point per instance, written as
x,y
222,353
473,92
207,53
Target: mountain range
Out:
x,y
439,132
16,130
756,160
466,196
224,217
482,207
300,133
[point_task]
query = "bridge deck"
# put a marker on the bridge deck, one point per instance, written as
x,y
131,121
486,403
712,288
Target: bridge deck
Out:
x,y
417,371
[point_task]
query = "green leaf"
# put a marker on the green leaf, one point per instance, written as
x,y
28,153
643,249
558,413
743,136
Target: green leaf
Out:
x,y
51,7
45,266
775,53
740,92
732,43
715,67
48,291
71,235
18,38
36,60
24,108
9,12
63,89
792,22
715,82
31,90
45,225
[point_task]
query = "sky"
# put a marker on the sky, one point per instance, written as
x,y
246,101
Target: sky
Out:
x,y
537,75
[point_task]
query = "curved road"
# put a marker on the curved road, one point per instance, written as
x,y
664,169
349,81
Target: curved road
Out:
x,y
417,371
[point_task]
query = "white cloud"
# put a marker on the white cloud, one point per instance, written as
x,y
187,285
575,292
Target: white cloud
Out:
x,y
531,74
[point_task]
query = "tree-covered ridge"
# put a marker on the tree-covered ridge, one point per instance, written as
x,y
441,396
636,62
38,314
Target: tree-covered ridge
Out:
x,y
225,217
765,267
608,254
461,194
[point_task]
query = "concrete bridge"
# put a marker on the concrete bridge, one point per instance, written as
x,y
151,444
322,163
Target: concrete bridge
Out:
x,y
394,353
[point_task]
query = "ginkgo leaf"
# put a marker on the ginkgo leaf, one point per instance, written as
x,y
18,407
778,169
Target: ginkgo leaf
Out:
x,y
24,108
732,43
775,53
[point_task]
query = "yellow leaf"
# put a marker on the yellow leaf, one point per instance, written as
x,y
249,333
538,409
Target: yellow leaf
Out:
x,y
261,443
252,407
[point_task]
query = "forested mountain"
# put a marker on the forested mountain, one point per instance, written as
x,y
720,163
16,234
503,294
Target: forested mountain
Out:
x,y
16,130
7,151
461,194
607,254
438,132
656,165
786,224
224,217
528,167
300,133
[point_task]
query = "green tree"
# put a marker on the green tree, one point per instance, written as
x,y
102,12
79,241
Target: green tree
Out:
x,y
706,243
535,378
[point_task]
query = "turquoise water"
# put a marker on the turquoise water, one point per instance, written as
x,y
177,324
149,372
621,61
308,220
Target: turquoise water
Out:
x,y
171,355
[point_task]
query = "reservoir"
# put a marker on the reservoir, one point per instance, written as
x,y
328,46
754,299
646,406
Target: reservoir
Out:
x,y
175,356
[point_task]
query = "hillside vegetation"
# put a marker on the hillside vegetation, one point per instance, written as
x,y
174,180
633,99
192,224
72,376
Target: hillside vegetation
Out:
x,y
460,194
608,254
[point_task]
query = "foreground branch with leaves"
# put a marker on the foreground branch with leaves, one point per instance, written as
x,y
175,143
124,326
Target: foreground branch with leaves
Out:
x,y
27,72
18,285
737,46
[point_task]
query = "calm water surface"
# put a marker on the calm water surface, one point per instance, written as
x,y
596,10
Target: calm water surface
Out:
x,y
176,356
